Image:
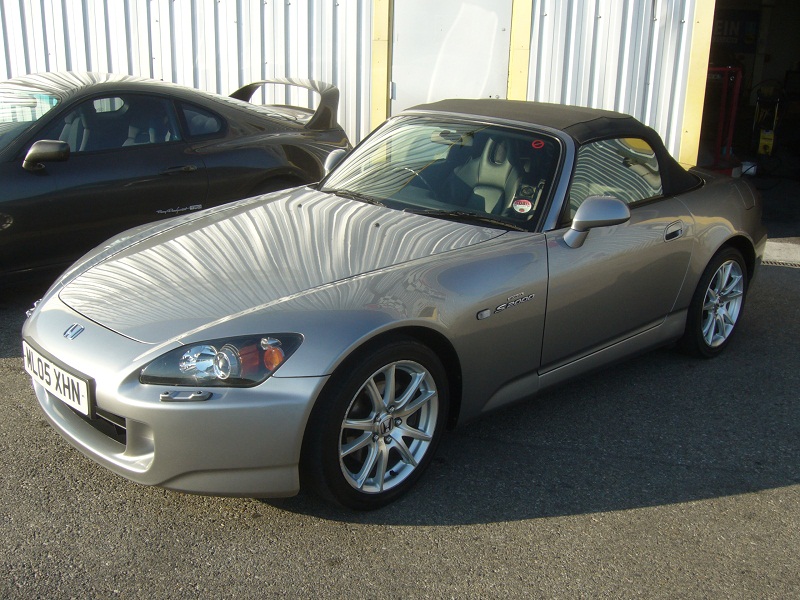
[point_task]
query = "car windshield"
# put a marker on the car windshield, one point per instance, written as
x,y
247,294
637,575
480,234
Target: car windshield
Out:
x,y
20,107
457,170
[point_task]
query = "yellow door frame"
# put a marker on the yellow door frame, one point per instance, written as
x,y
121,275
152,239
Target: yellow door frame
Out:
x,y
520,53
696,83
381,68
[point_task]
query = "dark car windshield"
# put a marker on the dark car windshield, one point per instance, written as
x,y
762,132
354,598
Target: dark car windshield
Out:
x,y
453,169
20,107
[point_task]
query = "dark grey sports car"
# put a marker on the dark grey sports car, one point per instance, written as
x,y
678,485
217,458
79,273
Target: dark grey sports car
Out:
x,y
84,156
465,256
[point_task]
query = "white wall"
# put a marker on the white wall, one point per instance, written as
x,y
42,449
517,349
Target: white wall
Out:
x,y
215,45
630,56
627,55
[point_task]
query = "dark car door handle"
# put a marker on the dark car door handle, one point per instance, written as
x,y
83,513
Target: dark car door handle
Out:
x,y
181,169
673,231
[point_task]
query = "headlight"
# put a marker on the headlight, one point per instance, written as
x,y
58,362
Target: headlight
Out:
x,y
233,362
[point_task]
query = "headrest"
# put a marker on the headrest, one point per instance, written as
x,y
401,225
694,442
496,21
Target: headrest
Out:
x,y
498,152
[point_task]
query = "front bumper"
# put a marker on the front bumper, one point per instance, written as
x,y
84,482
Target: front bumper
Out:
x,y
237,442
222,446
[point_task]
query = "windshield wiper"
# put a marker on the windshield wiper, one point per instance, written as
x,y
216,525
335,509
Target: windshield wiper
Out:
x,y
467,217
351,195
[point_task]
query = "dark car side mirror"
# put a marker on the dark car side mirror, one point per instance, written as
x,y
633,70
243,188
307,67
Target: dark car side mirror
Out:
x,y
45,151
595,211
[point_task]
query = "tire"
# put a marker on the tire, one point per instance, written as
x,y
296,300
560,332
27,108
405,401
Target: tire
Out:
x,y
366,445
716,306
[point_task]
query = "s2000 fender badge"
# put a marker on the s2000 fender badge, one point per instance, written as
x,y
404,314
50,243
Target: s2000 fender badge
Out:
x,y
514,301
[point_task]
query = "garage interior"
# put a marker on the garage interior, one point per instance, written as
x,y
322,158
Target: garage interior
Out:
x,y
752,109
751,118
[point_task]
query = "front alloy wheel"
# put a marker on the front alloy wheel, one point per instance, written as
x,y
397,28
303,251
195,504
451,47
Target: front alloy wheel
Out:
x,y
388,427
375,430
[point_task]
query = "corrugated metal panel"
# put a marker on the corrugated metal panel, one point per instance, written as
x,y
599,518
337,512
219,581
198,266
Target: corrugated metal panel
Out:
x,y
626,55
208,44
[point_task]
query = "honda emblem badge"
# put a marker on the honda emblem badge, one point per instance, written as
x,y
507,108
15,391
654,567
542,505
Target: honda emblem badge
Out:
x,y
73,331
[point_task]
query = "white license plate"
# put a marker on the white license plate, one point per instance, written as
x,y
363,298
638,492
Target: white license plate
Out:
x,y
70,389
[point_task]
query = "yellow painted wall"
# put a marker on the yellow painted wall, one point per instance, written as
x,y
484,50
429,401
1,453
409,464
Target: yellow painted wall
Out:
x,y
696,84
381,60
520,53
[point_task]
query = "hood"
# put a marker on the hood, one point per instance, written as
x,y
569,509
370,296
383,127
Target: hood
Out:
x,y
251,254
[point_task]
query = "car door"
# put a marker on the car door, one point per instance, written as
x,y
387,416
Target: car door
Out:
x,y
128,165
623,279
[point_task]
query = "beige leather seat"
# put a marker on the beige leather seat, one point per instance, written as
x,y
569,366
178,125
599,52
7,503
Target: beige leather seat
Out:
x,y
487,181
77,129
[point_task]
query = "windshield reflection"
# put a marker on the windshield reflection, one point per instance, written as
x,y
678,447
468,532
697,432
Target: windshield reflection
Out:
x,y
452,168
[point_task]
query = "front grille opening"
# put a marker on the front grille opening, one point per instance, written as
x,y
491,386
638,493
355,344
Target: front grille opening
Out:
x,y
111,425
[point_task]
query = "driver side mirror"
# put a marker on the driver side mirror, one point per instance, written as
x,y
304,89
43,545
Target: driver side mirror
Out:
x,y
334,158
45,151
595,211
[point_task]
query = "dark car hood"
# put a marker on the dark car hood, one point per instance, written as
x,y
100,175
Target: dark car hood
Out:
x,y
248,255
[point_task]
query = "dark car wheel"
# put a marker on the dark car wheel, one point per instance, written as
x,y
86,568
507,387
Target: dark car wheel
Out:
x,y
376,427
717,305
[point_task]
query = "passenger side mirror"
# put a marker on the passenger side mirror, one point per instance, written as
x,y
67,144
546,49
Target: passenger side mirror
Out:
x,y
45,151
334,158
595,211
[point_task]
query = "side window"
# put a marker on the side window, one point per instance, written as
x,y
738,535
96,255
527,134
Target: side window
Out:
x,y
113,104
113,122
200,122
150,120
626,168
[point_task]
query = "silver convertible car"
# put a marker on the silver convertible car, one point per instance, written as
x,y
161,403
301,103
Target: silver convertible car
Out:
x,y
467,255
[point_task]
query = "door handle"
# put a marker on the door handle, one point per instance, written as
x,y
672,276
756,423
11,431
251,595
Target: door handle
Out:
x,y
673,231
180,169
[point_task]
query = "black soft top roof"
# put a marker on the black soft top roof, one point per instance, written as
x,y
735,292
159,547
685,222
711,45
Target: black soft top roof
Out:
x,y
582,124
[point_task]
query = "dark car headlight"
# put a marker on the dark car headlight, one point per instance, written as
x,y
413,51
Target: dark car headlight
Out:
x,y
229,362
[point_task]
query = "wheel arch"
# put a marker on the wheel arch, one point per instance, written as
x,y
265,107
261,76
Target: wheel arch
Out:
x,y
430,338
450,361
746,249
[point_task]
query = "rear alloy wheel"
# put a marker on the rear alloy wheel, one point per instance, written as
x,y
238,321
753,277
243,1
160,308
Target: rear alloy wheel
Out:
x,y
371,438
717,305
